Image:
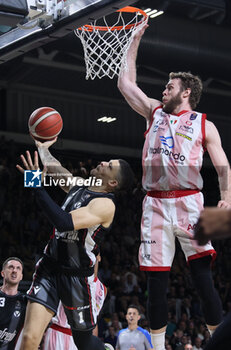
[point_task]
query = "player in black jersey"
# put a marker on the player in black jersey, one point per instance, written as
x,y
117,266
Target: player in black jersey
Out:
x,y
66,271
12,303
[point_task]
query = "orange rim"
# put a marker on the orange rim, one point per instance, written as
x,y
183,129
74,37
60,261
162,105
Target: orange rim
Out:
x,y
90,28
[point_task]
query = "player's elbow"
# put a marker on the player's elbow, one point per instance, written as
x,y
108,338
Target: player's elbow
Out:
x,y
123,84
120,84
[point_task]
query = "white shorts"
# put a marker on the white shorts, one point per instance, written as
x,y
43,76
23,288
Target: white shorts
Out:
x,y
163,220
55,339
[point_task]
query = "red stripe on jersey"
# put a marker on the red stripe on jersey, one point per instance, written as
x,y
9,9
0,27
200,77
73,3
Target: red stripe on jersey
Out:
x,y
171,194
89,293
152,118
84,235
204,117
34,276
201,255
156,268
180,113
53,233
95,233
70,307
61,329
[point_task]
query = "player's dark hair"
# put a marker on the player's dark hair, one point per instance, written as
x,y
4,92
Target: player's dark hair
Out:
x,y
12,258
189,81
126,176
133,306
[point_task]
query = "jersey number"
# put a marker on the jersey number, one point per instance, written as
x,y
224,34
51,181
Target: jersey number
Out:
x,y
2,302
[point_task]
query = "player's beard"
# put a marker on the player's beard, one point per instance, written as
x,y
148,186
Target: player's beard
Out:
x,y
171,105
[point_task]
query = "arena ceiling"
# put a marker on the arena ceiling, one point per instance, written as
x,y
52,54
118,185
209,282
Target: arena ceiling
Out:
x,y
191,35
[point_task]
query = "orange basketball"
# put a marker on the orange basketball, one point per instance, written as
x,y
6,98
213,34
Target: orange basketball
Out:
x,y
45,123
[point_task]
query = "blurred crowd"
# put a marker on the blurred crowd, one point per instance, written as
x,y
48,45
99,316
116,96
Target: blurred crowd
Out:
x,y
24,232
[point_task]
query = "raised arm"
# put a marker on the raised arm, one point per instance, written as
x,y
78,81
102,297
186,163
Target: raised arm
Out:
x,y
100,211
220,161
127,85
54,167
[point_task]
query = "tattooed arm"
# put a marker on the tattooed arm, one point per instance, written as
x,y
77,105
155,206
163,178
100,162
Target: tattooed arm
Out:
x,y
54,167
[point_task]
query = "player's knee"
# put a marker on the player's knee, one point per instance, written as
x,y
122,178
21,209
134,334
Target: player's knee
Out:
x,y
157,286
202,277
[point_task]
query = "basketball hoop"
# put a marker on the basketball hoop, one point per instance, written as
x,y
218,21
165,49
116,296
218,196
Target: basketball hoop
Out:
x,y
105,46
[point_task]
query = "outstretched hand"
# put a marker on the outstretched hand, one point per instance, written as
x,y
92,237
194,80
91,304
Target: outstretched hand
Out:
x,y
29,164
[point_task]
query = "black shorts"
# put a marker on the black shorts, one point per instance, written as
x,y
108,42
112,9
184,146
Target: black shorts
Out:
x,y
77,295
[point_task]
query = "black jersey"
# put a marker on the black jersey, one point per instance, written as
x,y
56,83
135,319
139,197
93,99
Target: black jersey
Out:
x,y
76,250
12,315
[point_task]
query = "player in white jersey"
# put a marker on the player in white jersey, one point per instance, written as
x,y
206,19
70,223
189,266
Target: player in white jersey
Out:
x,y
175,140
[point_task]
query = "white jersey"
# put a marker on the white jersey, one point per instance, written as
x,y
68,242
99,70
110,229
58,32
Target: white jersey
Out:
x,y
173,151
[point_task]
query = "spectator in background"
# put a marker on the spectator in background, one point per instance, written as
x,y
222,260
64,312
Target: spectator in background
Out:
x,y
168,347
188,347
197,344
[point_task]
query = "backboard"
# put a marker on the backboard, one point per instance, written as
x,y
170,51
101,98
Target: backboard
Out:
x,y
49,20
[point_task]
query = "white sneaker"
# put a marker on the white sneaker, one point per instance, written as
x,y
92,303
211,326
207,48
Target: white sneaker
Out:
x,y
108,346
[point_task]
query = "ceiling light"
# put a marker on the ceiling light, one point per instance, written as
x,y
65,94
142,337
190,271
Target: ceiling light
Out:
x,y
153,13
106,119
157,14
150,11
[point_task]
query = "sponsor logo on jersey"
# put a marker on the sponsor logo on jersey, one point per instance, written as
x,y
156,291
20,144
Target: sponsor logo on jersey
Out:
x,y
32,178
155,128
148,242
17,313
176,156
191,227
162,122
183,135
68,236
187,128
36,289
193,116
167,141
18,305
188,122
77,205
147,256
83,307
6,336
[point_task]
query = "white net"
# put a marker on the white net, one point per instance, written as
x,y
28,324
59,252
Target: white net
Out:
x,y
105,46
